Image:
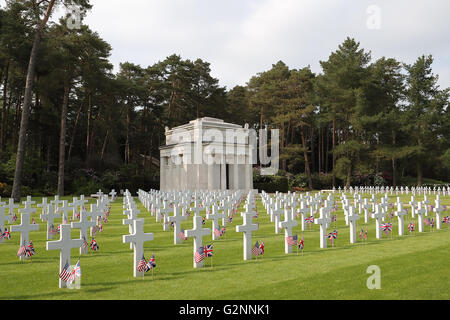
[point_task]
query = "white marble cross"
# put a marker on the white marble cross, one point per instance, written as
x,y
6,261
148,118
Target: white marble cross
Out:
x,y
400,213
137,238
323,221
197,233
94,213
352,218
25,226
177,218
29,202
165,213
65,209
3,218
413,207
276,214
44,206
84,224
215,216
113,195
287,225
366,206
303,210
49,216
420,213
247,228
426,203
438,209
65,244
378,216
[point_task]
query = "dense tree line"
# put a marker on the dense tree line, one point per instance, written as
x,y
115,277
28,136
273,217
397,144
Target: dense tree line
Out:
x,y
71,125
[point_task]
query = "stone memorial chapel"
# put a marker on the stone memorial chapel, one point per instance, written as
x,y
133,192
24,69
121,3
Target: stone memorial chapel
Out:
x,y
207,154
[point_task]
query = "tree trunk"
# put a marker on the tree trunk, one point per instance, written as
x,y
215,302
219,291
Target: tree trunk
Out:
x,y
62,139
4,113
73,133
349,176
394,169
333,153
88,133
17,185
313,156
305,155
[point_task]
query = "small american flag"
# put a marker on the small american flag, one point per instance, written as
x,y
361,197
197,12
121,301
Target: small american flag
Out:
x,y
223,230
52,230
199,254
14,218
85,244
142,265
22,250
256,250
365,235
203,220
446,220
331,237
361,234
181,235
292,240
217,232
65,274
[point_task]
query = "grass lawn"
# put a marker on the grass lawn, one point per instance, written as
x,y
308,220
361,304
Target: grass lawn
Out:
x,y
412,267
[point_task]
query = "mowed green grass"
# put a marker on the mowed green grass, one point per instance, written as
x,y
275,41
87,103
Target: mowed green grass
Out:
x,y
412,267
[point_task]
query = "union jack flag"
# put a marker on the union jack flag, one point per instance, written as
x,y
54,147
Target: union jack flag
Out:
x,y
256,250
142,265
223,230
446,220
151,263
411,227
301,244
335,234
261,246
332,237
14,218
6,234
199,254
76,273
309,220
209,250
292,240
29,250
65,274
94,245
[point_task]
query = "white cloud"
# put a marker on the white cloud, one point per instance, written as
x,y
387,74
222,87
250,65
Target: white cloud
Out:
x,y
243,37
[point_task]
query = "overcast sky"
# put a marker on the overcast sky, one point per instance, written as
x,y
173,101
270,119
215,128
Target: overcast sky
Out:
x,y
240,38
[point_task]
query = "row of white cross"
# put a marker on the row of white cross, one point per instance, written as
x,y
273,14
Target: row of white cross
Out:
x,y
287,204
218,205
444,191
52,210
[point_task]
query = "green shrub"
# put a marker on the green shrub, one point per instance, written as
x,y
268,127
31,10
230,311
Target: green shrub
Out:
x,y
272,184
